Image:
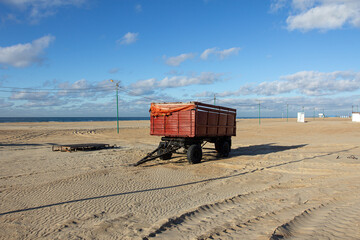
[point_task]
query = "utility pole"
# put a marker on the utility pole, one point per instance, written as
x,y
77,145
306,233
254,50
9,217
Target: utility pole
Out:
x,y
314,114
214,99
117,104
259,114
287,112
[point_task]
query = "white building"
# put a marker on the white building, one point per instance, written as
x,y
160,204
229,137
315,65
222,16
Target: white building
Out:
x,y
355,117
301,117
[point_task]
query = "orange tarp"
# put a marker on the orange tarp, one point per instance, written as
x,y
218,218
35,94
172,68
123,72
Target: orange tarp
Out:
x,y
165,110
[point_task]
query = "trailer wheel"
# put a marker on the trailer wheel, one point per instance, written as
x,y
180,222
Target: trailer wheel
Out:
x,y
225,149
194,154
218,145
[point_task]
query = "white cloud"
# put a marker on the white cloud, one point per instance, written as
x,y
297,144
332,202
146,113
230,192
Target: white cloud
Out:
x,y
65,94
4,104
149,86
303,4
222,54
276,5
41,8
9,18
81,96
128,38
181,81
243,90
177,60
143,87
207,52
23,55
308,83
323,14
277,106
227,52
44,103
204,94
138,8
313,83
42,3
148,83
83,88
324,17
24,95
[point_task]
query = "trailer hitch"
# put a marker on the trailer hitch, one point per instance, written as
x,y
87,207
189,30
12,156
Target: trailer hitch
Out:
x,y
168,148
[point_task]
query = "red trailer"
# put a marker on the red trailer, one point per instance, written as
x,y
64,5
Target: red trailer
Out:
x,y
189,126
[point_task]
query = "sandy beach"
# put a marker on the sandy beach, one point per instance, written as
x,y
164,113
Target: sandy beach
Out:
x,y
282,180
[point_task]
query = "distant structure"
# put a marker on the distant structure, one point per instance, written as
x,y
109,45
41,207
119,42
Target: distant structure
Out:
x,y
355,117
301,117
321,115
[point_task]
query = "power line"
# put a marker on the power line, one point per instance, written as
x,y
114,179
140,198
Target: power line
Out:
x,y
136,95
47,91
58,89
73,90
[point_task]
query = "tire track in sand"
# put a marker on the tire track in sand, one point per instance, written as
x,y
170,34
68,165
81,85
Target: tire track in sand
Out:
x,y
226,215
28,136
335,220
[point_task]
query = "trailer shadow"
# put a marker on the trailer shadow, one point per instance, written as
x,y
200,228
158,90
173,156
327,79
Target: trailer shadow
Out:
x,y
211,155
263,149
180,159
253,150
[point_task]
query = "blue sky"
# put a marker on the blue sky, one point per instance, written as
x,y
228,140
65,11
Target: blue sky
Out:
x,y
57,57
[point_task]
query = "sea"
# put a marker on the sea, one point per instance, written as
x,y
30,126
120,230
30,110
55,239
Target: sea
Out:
x,y
82,119
67,119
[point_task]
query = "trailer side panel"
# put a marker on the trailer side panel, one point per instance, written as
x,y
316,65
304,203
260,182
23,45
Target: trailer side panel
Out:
x,y
193,119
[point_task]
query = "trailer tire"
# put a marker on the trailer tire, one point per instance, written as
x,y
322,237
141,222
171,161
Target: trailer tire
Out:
x,y
218,145
194,154
225,149
230,143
